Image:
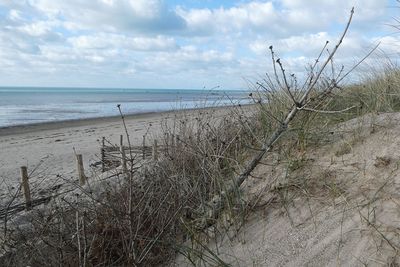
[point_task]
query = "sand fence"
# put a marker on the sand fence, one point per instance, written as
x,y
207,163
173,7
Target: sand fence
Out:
x,y
112,157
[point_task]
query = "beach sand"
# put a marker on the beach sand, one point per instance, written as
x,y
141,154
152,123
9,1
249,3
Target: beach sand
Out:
x,y
48,149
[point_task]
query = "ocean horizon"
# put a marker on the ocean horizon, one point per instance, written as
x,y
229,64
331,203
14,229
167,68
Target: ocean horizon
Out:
x,y
31,105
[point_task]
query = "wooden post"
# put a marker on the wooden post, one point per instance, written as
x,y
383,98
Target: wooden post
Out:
x,y
25,187
183,128
173,142
103,154
123,157
144,147
173,145
166,139
155,152
81,170
177,142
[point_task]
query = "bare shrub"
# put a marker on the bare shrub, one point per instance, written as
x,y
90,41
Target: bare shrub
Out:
x,y
135,218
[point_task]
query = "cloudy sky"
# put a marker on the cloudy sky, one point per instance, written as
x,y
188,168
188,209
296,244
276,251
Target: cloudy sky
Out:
x,y
178,43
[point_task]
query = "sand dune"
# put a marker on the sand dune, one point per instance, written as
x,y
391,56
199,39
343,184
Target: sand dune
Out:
x,y
347,213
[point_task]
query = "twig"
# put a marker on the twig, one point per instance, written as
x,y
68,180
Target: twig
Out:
x,y
8,207
327,111
286,82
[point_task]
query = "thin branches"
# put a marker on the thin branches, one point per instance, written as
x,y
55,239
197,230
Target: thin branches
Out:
x,y
218,202
327,111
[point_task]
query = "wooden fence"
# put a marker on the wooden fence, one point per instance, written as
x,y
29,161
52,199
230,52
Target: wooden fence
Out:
x,y
112,156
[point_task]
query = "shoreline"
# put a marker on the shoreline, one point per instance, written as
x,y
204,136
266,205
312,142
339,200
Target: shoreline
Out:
x,y
56,125
49,148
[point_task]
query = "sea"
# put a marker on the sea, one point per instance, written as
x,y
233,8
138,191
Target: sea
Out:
x,y
31,105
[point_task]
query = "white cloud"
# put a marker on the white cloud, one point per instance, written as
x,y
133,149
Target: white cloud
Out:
x,y
327,10
116,15
116,41
251,15
309,45
144,42
390,45
36,29
15,15
293,16
178,61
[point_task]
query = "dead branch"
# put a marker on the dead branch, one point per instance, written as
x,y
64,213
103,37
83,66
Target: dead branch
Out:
x,y
327,111
214,207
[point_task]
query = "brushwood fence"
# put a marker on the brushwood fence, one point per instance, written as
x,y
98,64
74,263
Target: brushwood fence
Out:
x,y
112,156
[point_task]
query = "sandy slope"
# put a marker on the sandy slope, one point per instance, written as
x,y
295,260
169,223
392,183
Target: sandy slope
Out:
x,y
343,205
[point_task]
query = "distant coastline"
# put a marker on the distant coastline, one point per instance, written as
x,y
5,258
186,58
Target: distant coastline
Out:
x,y
53,125
30,105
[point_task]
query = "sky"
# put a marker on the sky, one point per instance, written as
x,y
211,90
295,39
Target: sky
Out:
x,y
180,43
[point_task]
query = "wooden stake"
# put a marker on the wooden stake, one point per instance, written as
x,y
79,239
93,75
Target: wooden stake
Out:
x,y
173,144
81,170
123,157
166,139
155,152
103,154
144,146
25,187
